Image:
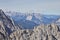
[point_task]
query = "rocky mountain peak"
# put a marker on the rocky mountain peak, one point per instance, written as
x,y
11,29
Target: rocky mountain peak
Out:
x,y
1,11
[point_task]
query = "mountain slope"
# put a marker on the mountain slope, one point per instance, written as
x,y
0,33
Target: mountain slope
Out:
x,y
6,25
8,31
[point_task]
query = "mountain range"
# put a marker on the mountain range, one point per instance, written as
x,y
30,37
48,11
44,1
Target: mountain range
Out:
x,y
45,27
30,20
10,31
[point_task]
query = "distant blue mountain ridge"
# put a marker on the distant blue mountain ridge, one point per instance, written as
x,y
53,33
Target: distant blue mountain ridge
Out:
x,y
29,21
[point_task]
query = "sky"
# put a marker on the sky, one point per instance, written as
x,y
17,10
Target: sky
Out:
x,y
36,6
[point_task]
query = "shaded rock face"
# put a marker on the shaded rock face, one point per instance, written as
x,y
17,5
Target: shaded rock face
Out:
x,y
6,26
8,31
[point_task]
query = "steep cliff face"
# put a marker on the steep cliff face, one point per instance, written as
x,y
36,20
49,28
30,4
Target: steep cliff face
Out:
x,y
6,25
8,31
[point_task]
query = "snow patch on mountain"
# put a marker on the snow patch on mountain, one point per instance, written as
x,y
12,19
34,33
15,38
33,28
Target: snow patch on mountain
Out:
x,y
29,18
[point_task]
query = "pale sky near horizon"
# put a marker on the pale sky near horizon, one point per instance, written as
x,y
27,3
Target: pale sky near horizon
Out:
x,y
38,6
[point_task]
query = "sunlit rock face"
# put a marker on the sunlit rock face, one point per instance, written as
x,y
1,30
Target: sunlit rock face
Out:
x,y
49,32
42,32
8,31
21,35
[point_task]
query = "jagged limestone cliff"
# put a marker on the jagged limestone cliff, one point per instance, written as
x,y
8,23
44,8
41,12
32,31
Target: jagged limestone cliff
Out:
x,y
42,32
8,31
6,26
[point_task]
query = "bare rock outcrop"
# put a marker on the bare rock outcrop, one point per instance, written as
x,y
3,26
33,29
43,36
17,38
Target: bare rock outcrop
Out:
x,y
42,32
49,32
